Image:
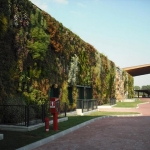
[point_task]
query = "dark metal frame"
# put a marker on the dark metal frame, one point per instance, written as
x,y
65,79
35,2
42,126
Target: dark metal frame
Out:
x,y
86,104
112,101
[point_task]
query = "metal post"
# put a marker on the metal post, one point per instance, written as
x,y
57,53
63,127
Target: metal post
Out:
x,y
96,104
84,98
27,116
82,105
87,102
65,109
43,113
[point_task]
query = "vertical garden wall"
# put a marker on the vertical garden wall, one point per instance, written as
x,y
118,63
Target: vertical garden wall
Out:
x,y
41,58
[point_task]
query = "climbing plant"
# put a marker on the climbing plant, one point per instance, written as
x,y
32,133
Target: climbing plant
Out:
x,y
130,86
96,82
37,52
72,77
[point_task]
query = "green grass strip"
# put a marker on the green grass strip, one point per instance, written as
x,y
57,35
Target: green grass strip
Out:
x,y
128,104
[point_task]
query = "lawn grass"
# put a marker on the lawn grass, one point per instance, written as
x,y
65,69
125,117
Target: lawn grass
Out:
x,y
128,104
14,139
104,113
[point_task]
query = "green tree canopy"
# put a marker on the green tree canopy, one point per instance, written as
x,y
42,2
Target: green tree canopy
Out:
x,y
136,87
145,87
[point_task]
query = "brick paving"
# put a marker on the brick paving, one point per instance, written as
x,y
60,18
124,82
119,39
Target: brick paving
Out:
x,y
114,133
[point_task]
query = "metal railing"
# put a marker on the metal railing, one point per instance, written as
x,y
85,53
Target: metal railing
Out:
x,y
26,115
22,115
86,104
112,101
62,110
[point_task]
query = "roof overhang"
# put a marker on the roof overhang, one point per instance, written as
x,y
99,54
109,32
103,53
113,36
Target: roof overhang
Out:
x,y
138,70
145,91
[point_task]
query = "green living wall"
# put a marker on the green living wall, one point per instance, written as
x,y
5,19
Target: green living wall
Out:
x,y
38,54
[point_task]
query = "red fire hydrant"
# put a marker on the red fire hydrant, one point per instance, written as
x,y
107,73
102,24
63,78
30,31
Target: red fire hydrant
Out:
x,y
47,124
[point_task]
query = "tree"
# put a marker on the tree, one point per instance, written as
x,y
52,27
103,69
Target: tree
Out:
x,y
136,88
145,87
148,87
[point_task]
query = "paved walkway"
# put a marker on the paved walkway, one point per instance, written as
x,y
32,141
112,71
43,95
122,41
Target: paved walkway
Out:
x,y
114,133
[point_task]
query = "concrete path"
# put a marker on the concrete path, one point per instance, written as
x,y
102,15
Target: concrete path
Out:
x,y
114,133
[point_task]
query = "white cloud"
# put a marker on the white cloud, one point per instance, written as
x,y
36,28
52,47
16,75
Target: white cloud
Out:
x,y
61,1
43,7
81,5
40,4
75,12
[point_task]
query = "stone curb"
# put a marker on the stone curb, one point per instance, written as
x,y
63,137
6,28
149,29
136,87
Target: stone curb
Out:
x,y
132,115
60,134
141,104
105,106
30,128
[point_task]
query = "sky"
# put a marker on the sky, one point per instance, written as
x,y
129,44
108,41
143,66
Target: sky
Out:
x,y
120,29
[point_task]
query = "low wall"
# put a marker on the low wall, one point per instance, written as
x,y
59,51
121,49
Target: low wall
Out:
x,y
128,100
80,113
30,128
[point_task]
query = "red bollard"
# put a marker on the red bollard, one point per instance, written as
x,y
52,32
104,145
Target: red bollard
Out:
x,y
55,121
54,109
47,124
